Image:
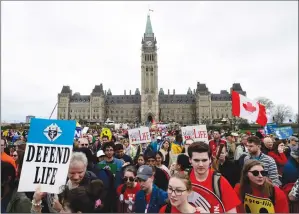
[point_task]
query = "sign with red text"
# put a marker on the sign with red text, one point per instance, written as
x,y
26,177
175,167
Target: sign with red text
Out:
x,y
196,133
139,135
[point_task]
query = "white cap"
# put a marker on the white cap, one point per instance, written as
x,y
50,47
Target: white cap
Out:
x,y
159,138
234,134
100,153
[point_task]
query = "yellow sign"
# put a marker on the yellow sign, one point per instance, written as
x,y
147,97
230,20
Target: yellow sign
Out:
x,y
106,132
253,204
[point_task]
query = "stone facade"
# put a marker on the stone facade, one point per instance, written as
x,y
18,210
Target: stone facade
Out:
x,y
196,106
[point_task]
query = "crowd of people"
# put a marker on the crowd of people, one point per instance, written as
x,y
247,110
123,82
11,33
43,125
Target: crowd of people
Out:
x,y
167,175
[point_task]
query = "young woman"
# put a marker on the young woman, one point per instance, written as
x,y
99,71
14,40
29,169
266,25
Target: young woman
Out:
x,y
127,191
257,194
182,164
179,188
278,155
140,161
83,199
159,162
166,152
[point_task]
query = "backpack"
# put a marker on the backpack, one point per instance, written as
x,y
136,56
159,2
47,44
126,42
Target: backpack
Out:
x,y
215,183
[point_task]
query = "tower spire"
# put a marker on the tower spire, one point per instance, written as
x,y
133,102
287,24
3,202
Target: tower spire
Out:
x,y
148,29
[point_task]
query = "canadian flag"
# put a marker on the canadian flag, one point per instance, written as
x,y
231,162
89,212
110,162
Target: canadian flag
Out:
x,y
248,109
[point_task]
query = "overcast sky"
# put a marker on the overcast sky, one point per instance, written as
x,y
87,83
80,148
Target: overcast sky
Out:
x,y
46,45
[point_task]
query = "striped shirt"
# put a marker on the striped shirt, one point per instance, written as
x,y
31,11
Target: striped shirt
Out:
x,y
269,166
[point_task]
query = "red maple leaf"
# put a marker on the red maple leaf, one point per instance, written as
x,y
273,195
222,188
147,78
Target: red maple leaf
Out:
x,y
249,107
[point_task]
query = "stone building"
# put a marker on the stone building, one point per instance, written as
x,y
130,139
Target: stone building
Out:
x,y
196,106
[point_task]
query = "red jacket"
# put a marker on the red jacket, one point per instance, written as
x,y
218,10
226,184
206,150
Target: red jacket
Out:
x,y
280,160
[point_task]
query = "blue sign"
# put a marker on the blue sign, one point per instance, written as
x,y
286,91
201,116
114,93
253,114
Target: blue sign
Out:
x,y
44,131
283,132
78,132
269,128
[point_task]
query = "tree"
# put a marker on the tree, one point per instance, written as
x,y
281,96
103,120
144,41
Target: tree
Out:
x,y
266,102
281,113
296,118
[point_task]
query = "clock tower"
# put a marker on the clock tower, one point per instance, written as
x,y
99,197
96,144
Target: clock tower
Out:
x,y
149,76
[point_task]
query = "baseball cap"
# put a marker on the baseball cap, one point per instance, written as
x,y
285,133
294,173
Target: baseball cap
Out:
x,y
144,172
100,153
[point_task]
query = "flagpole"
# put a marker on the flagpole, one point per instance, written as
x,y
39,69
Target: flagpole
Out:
x,y
53,110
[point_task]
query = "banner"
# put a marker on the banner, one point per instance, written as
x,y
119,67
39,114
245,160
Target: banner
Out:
x,y
47,155
78,132
269,128
283,132
253,204
139,135
197,133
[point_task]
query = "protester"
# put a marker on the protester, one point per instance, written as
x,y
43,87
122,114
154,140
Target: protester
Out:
x,y
119,153
241,148
12,201
179,188
216,141
278,155
291,169
254,149
127,191
254,184
150,198
5,157
159,162
267,145
201,174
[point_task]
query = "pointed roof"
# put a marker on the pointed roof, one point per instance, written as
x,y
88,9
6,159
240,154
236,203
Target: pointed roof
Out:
x,y
148,28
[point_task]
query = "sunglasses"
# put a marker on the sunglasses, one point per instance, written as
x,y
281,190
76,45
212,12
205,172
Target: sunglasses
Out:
x,y
256,173
131,179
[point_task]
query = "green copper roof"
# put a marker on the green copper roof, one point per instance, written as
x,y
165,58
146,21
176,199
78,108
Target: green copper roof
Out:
x,y
148,29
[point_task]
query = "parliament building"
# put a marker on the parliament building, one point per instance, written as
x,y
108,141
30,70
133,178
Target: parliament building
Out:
x,y
198,105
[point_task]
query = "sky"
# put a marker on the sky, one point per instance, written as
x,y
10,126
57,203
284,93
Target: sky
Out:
x,y
45,45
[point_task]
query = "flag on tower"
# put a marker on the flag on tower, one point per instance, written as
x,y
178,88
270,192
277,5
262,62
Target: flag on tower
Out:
x,y
248,109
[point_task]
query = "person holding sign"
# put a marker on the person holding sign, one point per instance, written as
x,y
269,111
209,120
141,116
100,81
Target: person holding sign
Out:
x,y
257,194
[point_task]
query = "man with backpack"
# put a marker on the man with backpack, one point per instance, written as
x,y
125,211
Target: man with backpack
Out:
x,y
208,185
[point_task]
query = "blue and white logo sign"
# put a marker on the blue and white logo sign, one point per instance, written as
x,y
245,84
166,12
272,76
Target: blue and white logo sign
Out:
x,y
52,132
283,132
269,128
47,155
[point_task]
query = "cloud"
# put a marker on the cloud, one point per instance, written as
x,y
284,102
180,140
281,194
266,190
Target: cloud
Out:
x,y
46,45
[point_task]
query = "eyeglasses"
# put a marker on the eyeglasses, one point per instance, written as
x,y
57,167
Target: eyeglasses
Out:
x,y
177,192
131,179
256,173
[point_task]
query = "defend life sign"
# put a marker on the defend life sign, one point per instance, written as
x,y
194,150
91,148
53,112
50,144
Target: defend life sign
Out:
x,y
139,135
197,133
47,155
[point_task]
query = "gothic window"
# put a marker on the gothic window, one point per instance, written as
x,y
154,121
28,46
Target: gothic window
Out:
x,y
152,69
146,69
150,101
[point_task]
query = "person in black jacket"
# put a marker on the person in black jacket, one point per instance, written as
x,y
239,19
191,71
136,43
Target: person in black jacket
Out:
x,y
160,176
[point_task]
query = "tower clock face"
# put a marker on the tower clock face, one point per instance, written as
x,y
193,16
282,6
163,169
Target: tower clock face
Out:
x,y
149,43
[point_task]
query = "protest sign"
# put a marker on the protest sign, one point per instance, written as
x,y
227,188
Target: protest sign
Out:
x,y
47,155
84,130
269,128
197,133
106,132
253,204
139,135
283,132
78,132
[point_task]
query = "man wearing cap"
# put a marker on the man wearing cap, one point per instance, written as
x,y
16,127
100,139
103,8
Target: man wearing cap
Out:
x,y
150,198
291,169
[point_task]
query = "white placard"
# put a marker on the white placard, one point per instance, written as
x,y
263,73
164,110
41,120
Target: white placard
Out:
x,y
196,133
139,135
84,130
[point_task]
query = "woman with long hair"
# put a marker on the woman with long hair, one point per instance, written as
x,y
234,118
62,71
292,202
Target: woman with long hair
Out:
x,y
179,188
278,155
166,152
257,193
159,162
